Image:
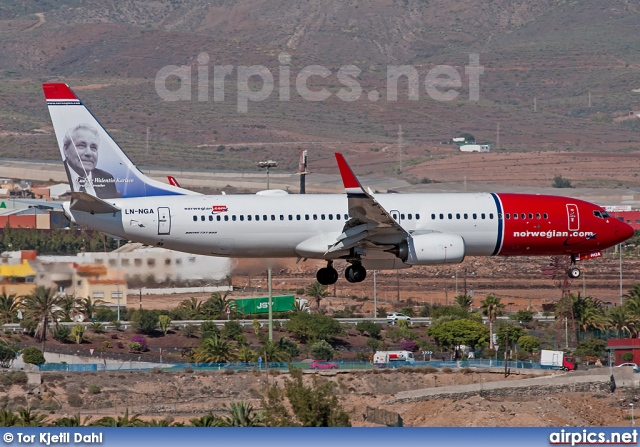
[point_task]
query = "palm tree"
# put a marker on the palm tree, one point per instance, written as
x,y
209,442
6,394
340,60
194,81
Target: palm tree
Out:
x,y
241,414
208,420
632,301
166,422
28,418
71,421
271,352
41,307
88,307
191,308
9,306
621,320
68,307
491,307
317,291
120,421
464,301
214,349
9,419
246,354
217,305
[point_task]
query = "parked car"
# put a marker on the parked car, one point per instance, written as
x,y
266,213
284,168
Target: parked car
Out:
x,y
397,316
635,367
318,364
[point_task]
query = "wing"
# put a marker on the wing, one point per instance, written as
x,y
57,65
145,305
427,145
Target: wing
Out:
x,y
369,223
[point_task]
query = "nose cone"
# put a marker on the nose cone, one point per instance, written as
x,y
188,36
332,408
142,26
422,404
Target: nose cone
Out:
x,y
623,231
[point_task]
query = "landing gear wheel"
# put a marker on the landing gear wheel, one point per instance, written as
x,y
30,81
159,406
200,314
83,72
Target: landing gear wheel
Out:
x,y
327,276
573,272
355,273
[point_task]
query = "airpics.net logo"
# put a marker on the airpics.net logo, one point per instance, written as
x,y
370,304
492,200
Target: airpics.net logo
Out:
x,y
257,83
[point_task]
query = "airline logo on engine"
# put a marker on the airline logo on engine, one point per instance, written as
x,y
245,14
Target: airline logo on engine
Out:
x,y
215,209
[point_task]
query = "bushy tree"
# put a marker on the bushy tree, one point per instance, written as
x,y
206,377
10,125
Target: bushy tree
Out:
x,y
8,354
529,343
232,330
369,327
306,326
514,332
33,355
214,349
322,350
459,332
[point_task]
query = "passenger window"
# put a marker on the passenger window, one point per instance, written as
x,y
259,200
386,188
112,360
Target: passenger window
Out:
x,y
306,217
441,216
530,216
195,218
233,217
401,216
475,216
515,216
337,216
330,216
202,218
273,217
409,216
482,216
450,216
290,217
346,217
507,216
499,216
281,216
538,216
466,216
322,216
258,217
297,216
490,215
433,217
417,216
315,217
457,215
249,217
242,217
523,216
218,218
210,218
226,218
395,216
264,217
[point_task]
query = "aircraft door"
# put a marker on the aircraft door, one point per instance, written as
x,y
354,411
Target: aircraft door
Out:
x,y
164,220
396,216
573,217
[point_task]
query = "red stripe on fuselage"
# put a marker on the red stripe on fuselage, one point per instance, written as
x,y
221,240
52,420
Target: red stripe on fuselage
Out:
x,y
535,235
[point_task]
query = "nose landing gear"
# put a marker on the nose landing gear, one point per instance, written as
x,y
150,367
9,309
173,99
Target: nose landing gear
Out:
x,y
573,271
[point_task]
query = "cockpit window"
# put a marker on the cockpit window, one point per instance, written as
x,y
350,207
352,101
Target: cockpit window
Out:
x,y
601,214
597,214
604,214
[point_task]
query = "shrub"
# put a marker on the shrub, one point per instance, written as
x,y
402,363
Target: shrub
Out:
x,y
627,356
164,321
135,346
191,331
141,341
97,327
232,330
33,356
373,329
94,389
61,333
209,328
77,333
145,321
408,345
74,400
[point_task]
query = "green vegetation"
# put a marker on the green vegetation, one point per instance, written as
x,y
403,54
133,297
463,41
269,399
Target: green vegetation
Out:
x,y
58,242
560,182
33,355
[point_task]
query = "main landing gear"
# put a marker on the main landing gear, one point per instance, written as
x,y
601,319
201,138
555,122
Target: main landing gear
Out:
x,y
327,275
354,273
573,271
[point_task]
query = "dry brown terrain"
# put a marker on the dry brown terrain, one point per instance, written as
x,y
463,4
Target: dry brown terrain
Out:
x,y
185,395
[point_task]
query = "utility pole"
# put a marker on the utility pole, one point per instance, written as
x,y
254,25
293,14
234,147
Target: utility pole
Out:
x,y
535,104
589,98
375,296
147,140
270,309
498,136
400,146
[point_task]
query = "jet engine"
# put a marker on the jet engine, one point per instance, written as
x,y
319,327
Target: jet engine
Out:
x,y
432,248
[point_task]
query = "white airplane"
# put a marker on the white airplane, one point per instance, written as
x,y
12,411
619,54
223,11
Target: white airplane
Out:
x,y
369,231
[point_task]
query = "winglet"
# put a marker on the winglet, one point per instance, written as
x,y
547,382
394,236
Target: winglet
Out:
x,y
58,92
173,181
349,180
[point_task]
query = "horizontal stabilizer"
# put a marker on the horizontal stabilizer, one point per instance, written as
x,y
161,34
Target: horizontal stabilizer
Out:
x,y
81,201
